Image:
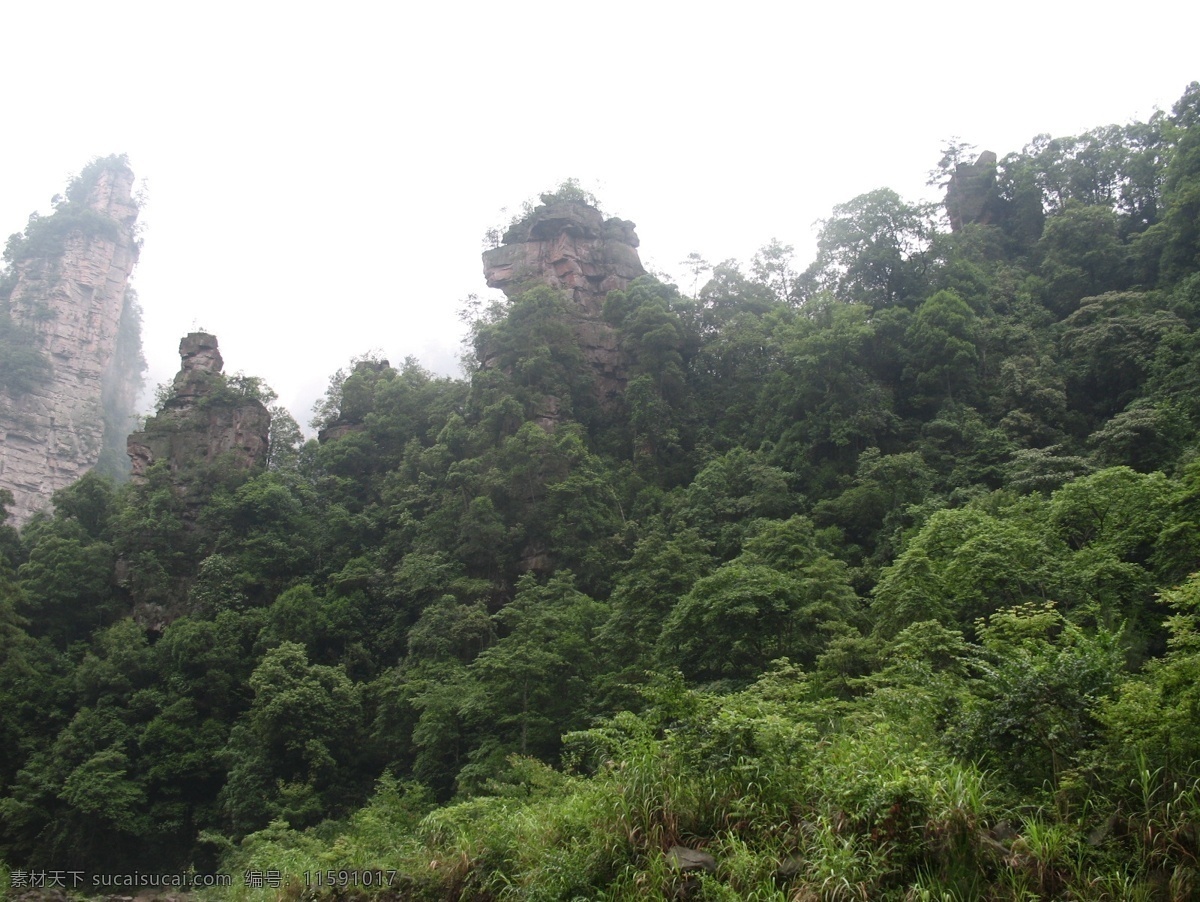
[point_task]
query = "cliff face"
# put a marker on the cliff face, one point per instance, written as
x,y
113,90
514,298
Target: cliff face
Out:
x,y
568,245
203,418
68,313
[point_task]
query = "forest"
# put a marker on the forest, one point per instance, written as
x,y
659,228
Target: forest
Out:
x,y
877,581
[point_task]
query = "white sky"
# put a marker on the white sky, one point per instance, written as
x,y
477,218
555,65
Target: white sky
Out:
x,y
320,175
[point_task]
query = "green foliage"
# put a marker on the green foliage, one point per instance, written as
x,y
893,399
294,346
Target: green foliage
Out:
x,y
662,569
533,679
963,564
876,506
22,365
1082,256
1088,546
365,371
285,751
1153,719
68,581
782,597
1042,681
1112,341
772,267
871,250
1181,193
44,235
730,493
563,619
536,345
942,340
835,395
569,191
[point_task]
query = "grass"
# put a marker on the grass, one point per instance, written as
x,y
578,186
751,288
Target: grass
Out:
x,y
870,808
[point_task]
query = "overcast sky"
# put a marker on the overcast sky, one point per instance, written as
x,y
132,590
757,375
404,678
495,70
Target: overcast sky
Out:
x,y
319,176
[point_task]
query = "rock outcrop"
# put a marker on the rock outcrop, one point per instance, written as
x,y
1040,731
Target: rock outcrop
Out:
x,y
356,392
202,419
566,245
66,312
570,246
971,195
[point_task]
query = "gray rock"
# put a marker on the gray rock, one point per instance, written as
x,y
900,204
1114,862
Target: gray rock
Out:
x,y
691,860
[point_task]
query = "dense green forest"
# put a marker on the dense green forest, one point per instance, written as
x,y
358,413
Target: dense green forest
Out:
x,y
877,582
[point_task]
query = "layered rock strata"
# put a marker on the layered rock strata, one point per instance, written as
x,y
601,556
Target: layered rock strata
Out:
x,y
68,302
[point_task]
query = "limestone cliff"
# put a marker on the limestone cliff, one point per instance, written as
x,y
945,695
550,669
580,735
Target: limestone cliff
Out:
x,y
69,337
568,245
202,419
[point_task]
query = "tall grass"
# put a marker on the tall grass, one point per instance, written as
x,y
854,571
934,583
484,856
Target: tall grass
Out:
x,y
861,808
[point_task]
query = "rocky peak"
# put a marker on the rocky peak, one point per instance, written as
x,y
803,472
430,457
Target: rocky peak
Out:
x,y
69,330
566,245
202,419
111,194
200,360
570,246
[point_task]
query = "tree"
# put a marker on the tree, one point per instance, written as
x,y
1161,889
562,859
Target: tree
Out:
x,y
90,501
1154,720
365,370
1110,521
873,510
833,396
534,681
871,250
662,569
782,597
1181,192
942,341
964,564
1034,708
695,265
67,583
729,494
535,344
291,754
269,527
772,266
1081,256
1111,343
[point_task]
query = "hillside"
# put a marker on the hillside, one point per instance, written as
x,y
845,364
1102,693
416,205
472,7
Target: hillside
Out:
x,y
873,579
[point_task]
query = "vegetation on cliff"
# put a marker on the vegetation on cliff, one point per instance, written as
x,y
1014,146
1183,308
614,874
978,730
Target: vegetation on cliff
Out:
x,y
877,581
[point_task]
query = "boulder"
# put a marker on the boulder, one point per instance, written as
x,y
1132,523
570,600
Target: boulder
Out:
x,y
691,860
